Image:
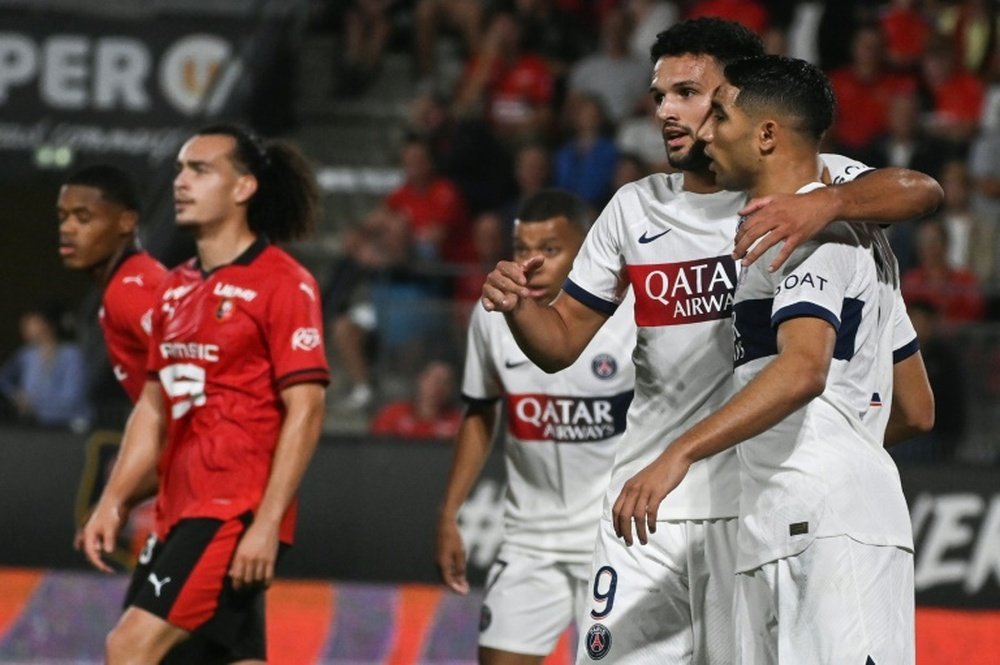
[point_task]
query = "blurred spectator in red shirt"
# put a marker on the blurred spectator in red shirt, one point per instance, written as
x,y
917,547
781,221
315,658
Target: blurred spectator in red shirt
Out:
x,y
864,90
956,96
463,150
750,13
953,291
972,26
907,32
432,205
430,414
509,87
489,242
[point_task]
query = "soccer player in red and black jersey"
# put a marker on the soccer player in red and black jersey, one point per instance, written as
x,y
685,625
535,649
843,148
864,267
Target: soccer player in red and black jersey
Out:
x,y
232,409
98,212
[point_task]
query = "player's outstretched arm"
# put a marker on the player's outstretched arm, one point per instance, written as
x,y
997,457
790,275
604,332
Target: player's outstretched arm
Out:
x,y
912,401
789,382
552,335
881,196
133,477
472,446
255,557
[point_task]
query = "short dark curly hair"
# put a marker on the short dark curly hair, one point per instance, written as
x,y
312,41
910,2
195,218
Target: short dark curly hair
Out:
x,y
552,202
791,86
726,41
115,185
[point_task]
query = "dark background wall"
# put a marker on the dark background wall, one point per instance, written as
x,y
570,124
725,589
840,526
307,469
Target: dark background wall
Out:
x,y
369,510
32,273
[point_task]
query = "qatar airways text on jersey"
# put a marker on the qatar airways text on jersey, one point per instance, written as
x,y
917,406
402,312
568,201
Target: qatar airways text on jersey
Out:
x,y
669,294
539,417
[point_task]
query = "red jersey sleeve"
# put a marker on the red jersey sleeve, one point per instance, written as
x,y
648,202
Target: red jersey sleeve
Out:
x,y
154,360
126,318
295,332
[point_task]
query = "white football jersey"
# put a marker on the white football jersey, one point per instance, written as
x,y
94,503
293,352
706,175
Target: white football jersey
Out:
x,y
674,247
822,471
901,337
562,430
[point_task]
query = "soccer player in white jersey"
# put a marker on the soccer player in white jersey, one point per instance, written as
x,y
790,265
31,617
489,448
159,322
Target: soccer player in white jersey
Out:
x,y
561,435
672,236
824,560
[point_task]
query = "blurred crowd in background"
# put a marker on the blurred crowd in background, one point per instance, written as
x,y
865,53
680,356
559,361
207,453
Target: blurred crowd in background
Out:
x,y
505,97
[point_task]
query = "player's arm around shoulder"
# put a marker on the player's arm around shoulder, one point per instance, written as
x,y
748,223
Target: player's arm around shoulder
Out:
x,y
881,196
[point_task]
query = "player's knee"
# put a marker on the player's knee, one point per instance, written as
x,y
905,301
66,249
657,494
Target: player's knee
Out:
x,y
119,647
126,645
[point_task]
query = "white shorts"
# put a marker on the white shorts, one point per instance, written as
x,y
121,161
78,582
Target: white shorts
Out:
x,y
839,602
530,601
669,601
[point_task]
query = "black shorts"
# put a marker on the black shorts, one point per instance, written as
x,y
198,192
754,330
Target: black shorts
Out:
x,y
184,581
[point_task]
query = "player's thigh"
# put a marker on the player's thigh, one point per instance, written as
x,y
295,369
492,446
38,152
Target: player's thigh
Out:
x,y
712,575
837,602
142,637
860,597
639,609
527,604
755,616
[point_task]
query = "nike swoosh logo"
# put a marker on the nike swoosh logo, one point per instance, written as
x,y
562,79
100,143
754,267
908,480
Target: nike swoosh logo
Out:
x,y
510,364
643,239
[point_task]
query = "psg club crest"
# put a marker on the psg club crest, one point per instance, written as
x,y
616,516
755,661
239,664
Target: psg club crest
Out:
x,y
604,366
225,309
598,641
485,618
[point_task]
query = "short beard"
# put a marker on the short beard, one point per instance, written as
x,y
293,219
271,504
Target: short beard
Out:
x,y
695,159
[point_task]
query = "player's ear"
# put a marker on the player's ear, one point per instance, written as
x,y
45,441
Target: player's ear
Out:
x,y
128,222
766,136
246,187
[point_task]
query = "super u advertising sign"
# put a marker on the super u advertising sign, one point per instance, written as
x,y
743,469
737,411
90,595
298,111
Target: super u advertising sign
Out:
x,y
119,88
